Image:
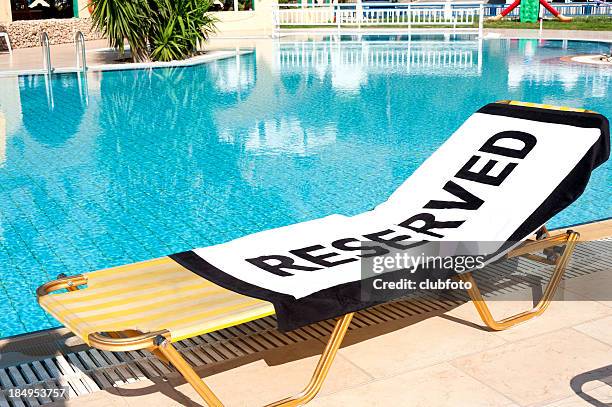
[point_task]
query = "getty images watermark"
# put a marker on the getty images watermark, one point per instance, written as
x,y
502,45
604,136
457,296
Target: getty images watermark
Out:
x,y
431,267
410,264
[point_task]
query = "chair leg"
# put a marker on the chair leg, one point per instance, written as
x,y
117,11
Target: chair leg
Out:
x,y
483,309
310,391
175,358
323,366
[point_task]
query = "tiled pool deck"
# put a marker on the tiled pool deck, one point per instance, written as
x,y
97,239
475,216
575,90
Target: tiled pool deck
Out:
x,y
434,358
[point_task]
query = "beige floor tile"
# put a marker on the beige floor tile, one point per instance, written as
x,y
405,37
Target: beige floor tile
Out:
x,y
402,348
599,397
251,381
97,53
436,386
539,369
97,399
594,287
566,310
62,56
274,375
154,393
599,329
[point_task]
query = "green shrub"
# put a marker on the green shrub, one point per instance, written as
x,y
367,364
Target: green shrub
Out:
x,y
158,30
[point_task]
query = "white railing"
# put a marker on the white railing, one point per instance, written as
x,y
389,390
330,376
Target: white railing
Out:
x,y
452,15
569,9
289,16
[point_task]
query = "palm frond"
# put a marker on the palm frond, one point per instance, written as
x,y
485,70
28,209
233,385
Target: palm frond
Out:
x,y
161,30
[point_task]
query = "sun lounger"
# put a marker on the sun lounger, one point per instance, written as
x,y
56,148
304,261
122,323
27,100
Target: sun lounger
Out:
x,y
5,36
499,178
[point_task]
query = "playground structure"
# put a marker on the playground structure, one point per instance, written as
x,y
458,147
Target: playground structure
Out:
x,y
530,11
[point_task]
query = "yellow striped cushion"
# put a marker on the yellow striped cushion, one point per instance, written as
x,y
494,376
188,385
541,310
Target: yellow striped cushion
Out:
x,y
545,106
151,296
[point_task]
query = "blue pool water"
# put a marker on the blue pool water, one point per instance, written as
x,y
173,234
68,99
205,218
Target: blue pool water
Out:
x,y
125,166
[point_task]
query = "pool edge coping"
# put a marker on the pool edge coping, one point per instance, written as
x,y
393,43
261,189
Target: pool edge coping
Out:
x,y
498,33
489,34
209,56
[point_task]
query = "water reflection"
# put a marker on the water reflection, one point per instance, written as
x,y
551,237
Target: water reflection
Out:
x,y
51,123
83,88
527,66
2,139
130,165
238,74
350,63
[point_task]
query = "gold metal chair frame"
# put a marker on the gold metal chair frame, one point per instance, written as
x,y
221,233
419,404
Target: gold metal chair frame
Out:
x,y
159,343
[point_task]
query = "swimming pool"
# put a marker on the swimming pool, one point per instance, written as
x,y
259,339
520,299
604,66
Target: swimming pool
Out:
x,y
123,166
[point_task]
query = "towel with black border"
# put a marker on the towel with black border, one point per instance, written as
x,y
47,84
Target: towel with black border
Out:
x,y
505,172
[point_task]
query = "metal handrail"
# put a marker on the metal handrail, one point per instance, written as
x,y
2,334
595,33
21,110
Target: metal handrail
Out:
x,y
79,48
46,50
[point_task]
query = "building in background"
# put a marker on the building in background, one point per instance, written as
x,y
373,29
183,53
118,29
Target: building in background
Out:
x,y
18,10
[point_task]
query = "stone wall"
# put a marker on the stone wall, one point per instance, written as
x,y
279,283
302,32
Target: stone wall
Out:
x,y
25,34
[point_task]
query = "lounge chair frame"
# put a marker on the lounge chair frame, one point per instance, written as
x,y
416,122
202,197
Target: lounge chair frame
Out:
x,y
558,250
7,40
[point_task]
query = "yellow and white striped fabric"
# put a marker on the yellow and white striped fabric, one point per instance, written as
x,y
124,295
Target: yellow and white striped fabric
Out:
x,y
545,106
151,296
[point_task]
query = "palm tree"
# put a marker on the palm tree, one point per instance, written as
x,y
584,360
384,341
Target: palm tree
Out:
x,y
159,30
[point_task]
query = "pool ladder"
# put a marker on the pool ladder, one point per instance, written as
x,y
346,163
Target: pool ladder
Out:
x,y
81,66
46,52
79,48
47,69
